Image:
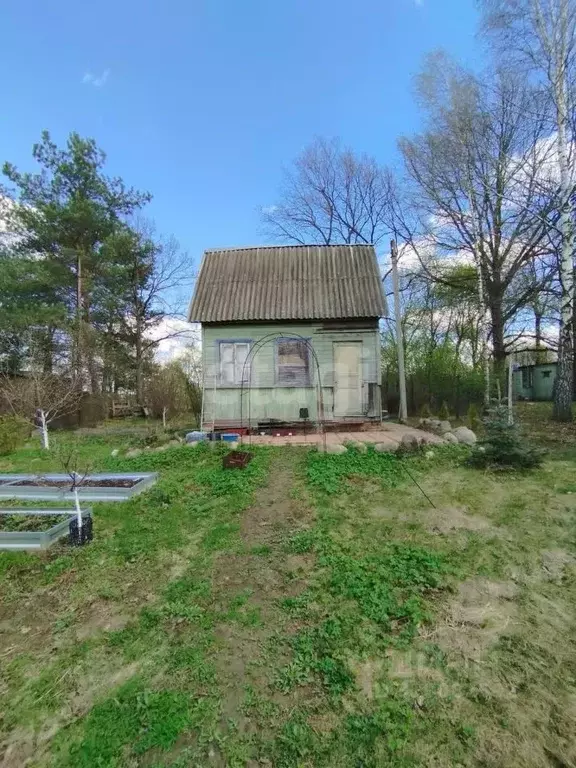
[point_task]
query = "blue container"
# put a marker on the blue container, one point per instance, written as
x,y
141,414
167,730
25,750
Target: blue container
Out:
x,y
230,437
195,437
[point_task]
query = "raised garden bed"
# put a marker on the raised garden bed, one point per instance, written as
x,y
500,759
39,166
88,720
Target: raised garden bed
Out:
x,y
44,482
28,528
236,459
96,487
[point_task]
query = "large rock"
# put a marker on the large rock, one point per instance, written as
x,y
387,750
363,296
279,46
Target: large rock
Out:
x,y
409,442
356,445
444,427
450,437
383,447
133,453
465,435
335,448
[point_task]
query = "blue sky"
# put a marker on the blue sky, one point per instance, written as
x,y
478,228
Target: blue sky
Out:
x,y
202,103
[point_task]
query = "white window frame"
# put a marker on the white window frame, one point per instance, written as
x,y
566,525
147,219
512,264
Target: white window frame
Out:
x,y
238,347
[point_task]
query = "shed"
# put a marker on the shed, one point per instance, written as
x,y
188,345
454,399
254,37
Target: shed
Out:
x,y
535,381
289,334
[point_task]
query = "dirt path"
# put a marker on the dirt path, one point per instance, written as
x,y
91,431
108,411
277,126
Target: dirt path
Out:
x,y
261,575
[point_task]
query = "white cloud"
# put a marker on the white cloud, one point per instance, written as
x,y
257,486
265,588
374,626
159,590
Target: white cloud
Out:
x,y
98,81
175,336
268,210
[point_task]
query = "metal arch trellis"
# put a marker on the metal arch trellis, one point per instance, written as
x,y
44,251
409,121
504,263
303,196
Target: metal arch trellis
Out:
x,y
253,351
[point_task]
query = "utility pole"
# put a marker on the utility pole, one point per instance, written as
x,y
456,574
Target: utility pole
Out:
x,y
403,414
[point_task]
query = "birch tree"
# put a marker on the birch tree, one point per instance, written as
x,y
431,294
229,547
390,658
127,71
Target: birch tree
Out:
x,y
477,191
541,35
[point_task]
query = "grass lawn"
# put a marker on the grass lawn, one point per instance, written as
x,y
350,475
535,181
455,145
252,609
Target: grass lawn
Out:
x,y
310,610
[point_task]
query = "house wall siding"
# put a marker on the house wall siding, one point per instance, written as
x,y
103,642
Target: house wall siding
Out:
x,y
543,376
268,400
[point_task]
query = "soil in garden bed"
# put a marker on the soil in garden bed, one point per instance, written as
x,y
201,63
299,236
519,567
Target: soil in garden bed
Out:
x,y
30,522
42,483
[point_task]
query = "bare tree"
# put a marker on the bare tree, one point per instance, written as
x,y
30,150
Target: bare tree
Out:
x,y
479,191
331,195
78,470
541,35
170,393
147,311
41,397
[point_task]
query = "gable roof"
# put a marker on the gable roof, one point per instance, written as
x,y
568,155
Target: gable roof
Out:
x,y
290,282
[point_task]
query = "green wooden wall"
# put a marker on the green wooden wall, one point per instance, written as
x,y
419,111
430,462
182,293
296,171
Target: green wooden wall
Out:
x,y
268,400
538,384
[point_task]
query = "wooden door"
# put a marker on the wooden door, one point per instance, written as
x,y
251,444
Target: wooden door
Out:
x,y
347,378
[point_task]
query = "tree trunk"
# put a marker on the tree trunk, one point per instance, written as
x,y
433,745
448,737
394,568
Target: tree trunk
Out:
x,y
77,505
563,390
44,431
139,353
538,328
77,363
164,416
498,345
483,330
90,350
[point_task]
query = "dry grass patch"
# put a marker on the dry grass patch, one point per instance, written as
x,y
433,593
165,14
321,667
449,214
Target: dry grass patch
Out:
x,y
554,563
366,674
476,617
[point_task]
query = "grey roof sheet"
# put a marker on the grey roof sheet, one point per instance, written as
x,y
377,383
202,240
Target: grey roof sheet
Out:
x,y
293,282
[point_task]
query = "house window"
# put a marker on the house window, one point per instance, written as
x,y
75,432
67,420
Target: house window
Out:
x,y
527,378
292,363
546,374
233,355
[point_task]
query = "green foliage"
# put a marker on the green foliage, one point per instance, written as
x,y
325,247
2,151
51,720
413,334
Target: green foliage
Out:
x,y
435,373
32,307
503,446
444,412
13,433
473,417
389,726
383,590
318,651
169,388
328,472
68,210
425,412
386,586
135,717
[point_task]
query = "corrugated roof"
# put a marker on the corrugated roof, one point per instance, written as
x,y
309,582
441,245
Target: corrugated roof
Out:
x,y
292,282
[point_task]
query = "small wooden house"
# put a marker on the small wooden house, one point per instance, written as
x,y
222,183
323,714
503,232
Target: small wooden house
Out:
x,y
289,335
535,373
535,381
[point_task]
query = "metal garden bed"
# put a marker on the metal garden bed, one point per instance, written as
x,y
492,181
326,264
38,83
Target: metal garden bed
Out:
x,y
16,487
38,539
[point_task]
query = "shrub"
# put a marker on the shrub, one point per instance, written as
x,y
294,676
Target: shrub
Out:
x,y
444,413
425,411
13,432
473,417
503,446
